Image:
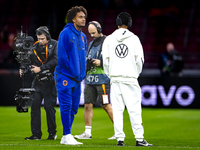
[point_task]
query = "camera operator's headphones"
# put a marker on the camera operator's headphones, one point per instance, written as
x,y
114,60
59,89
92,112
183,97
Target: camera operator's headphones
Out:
x,y
99,29
119,20
48,36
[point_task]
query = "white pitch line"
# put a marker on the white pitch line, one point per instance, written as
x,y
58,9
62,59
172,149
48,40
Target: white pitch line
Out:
x,y
94,145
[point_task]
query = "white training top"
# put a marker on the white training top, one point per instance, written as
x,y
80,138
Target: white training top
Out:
x,y
123,56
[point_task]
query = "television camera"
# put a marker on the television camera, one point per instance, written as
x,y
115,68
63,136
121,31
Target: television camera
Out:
x,y
22,49
90,64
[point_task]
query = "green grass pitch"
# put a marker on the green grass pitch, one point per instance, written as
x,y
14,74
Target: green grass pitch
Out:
x,y
164,128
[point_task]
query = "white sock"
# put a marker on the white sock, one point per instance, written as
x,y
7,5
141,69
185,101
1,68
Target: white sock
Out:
x,y
140,140
120,139
88,129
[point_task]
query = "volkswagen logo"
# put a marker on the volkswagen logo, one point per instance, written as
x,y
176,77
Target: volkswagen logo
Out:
x,y
121,50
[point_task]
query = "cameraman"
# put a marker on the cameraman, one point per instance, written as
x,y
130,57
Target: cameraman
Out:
x,y
97,82
43,62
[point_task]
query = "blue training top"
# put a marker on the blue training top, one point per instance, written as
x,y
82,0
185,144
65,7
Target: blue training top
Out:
x,y
71,52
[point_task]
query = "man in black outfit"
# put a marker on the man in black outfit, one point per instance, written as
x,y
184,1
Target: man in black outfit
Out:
x,y
43,62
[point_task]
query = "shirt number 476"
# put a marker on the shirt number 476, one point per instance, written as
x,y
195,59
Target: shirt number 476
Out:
x,y
93,78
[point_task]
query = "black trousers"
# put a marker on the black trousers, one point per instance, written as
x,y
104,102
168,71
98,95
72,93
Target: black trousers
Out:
x,y
46,91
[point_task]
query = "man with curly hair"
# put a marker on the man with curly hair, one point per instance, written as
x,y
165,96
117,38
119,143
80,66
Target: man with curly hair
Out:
x,y
71,69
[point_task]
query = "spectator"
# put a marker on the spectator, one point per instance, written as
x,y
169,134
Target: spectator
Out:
x,y
170,62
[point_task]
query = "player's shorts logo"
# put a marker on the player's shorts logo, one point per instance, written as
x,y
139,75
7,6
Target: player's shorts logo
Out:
x,y
65,82
121,50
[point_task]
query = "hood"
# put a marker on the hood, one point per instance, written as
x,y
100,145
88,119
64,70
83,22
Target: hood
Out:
x,y
121,34
72,27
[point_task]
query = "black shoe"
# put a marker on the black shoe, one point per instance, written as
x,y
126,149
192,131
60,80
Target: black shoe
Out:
x,y
120,143
143,143
52,136
33,137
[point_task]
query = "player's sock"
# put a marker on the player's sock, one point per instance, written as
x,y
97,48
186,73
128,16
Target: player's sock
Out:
x,y
140,140
88,129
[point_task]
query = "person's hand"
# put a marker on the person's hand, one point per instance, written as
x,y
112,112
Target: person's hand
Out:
x,y
35,69
96,62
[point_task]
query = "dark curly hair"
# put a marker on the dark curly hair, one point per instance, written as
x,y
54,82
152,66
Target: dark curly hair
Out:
x,y
73,11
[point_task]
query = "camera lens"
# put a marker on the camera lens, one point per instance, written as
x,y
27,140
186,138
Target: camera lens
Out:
x,y
27,44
